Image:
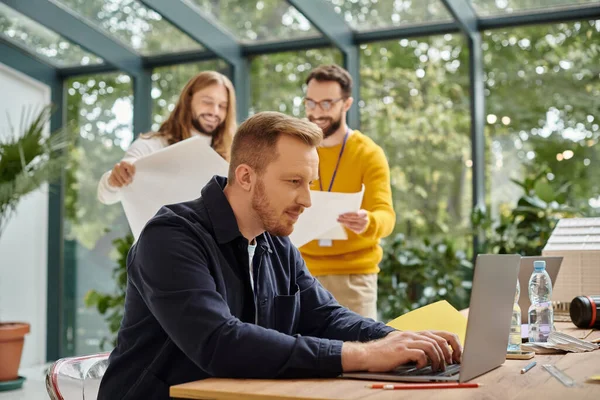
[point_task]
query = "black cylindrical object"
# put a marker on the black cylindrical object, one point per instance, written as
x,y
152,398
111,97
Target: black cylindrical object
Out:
x,y
585,311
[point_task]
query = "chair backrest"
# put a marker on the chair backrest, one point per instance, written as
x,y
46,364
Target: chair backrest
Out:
x,y
76,378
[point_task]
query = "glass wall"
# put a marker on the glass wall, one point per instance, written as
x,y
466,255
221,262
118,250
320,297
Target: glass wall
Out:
x,y
277,80
415,104
257,21
100,106
542,100
133,24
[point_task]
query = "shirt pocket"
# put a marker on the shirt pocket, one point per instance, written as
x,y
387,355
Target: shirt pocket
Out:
x,y
287,312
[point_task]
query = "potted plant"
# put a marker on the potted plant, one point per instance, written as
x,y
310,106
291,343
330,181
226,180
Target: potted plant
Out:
x,y
28,158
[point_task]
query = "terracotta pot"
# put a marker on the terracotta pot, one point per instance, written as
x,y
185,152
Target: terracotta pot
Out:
x,y
12,337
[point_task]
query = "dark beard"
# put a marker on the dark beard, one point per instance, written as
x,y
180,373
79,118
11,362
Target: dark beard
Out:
x,y
198,126
333,126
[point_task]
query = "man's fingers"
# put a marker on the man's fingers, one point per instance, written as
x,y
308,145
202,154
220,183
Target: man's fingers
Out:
x,y
117,178
454,342
415,355
443,345
112,181
354,217
354,228
129,169
430,350
123,176
438,349
124,171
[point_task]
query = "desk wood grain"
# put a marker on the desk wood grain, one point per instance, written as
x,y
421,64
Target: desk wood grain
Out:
x,y
505,382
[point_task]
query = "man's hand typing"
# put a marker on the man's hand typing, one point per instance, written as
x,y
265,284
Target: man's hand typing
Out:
x,y
398,348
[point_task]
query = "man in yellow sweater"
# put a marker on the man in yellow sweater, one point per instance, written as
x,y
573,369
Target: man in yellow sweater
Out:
x,y
347,160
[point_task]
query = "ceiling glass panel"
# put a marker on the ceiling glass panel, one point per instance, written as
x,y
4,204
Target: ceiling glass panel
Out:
x,y
134,24
41,41
262,20
364,15
499,7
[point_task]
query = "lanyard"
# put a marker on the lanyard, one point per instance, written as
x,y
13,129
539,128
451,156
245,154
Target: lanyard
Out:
x,y
336,165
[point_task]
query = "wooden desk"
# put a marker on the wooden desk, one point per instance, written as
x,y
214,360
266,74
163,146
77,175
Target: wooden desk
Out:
x,y
505,382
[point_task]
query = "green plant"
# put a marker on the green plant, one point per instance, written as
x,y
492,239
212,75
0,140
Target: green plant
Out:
x,y
526,228
417,273
112,305
29,158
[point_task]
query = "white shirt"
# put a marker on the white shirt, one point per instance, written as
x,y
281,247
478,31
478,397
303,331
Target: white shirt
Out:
x,y
251,251
140,148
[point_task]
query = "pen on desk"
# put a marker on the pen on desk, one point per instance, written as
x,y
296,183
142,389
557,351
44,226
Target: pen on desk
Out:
x,y
528,367
595,340
387,386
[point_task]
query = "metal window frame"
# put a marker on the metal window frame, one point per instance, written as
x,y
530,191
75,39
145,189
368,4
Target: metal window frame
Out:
x,y
467,20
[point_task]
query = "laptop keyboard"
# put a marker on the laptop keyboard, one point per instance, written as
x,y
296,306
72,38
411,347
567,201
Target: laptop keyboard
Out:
x,y
405,370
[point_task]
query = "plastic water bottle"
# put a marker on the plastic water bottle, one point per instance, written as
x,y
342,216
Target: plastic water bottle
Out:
x,y
541,315
514,338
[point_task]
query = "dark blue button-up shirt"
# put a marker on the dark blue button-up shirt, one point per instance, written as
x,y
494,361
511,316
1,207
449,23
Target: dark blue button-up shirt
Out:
x,y
191,313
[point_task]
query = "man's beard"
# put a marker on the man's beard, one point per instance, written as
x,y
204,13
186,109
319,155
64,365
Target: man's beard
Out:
x,y
334,125
198,126
270,220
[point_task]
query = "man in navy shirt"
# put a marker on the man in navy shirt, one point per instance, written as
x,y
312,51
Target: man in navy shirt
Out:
x,y
216,289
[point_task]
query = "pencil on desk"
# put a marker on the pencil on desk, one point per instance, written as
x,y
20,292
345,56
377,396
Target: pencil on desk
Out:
x,y
387,386
528,367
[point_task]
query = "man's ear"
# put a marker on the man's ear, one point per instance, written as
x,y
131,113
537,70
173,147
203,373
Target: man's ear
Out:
x,y
348,103
245,177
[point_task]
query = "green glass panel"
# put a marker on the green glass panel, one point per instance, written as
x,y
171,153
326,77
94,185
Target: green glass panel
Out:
x,y
135,25
501,7
262,20
40,41
366,15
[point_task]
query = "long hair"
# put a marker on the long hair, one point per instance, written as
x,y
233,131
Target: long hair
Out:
x,y
179,124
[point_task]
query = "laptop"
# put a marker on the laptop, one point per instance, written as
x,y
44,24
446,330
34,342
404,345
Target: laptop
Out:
x,y
487,332
552,266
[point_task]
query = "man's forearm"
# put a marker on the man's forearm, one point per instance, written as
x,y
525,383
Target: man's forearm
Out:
x,y
354,356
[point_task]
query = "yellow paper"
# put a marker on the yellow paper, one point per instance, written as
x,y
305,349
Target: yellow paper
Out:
x,y
440,316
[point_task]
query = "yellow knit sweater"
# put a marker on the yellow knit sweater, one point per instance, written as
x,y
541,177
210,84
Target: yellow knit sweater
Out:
x,y
363,162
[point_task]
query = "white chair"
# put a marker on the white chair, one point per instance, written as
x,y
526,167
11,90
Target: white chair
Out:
x,y
76,378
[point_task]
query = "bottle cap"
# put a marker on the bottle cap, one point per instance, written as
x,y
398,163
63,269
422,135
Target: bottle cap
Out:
x,y
539,265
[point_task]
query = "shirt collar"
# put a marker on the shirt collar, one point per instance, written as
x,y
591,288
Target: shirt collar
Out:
x,y
221,214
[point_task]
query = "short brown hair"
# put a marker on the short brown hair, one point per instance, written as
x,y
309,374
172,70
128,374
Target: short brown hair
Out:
x,y
335,73
255,142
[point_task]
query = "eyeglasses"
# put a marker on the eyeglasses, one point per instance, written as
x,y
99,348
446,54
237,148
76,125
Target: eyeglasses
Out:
x,y
325,105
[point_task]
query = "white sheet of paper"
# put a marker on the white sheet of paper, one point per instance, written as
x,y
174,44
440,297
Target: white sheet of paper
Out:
x,y
321,217
174,174
337,233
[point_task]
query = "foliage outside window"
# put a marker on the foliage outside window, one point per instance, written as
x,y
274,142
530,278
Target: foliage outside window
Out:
x,y
277,80
414,103
543,110
258,21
